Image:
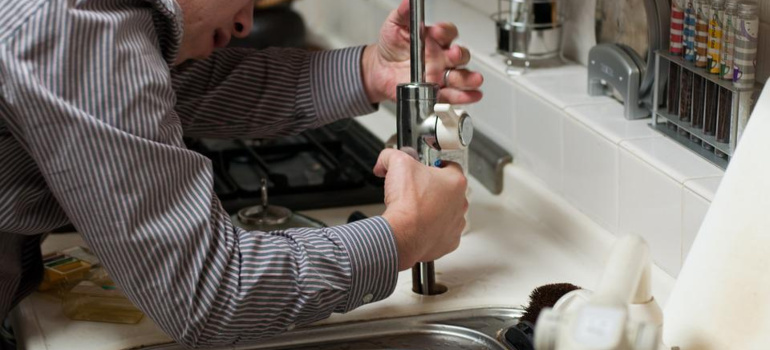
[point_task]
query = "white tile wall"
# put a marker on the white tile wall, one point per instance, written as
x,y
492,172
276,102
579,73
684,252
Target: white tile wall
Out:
x,y
591,173
564,86
705,187
607,120
694,208
539,138
671,157
651,206
499,96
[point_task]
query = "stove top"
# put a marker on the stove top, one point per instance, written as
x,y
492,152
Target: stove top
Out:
x,y
322,168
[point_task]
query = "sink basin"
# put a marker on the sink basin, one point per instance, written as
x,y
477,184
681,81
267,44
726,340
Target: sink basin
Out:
x,y
466,329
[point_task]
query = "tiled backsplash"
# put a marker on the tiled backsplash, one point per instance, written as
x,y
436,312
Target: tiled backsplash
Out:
x,y
621,174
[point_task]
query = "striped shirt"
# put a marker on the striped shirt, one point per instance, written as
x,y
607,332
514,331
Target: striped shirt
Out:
x,y
91,122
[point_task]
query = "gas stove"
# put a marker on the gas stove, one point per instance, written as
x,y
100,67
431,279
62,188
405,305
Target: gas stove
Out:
x,y
322,168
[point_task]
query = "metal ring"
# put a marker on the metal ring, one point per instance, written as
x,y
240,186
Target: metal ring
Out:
x,y
446,76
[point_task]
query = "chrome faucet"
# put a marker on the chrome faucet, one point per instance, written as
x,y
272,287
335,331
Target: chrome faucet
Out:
x,y
424,124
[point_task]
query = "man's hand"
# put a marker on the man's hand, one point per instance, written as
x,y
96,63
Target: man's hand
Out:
x,y
425,206
386,64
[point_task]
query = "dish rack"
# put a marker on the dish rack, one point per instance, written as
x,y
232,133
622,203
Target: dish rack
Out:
x,y
699,138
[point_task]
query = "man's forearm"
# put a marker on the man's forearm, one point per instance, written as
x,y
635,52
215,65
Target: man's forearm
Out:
x,y
268,93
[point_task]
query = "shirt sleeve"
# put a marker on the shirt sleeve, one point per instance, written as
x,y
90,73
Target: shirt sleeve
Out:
x,y
94,107
266,93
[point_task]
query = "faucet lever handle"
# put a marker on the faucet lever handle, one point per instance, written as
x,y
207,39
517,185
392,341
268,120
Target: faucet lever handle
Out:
x,y
454,128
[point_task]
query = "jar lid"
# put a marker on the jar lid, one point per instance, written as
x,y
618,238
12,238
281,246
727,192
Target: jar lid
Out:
x,y
749,6
732,4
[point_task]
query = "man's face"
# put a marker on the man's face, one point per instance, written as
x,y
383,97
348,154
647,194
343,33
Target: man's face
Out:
x,y
210,24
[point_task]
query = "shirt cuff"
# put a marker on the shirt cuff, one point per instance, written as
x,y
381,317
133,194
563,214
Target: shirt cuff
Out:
x,y
337,85
373,259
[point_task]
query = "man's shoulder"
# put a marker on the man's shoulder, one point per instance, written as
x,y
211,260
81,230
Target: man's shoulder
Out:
x,y
32,21
14,13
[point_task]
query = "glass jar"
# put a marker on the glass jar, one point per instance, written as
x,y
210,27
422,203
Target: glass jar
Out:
x,y
710,115
746,39
677,27
725,115
728,39
716,17
688,37
686,97
703,9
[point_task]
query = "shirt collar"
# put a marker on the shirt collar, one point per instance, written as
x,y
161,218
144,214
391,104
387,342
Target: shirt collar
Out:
x,y
169,22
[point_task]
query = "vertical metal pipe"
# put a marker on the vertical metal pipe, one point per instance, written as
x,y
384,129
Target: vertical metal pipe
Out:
x,y
416,102
417,22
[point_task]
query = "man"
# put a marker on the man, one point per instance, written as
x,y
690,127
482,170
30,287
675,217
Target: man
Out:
x,y
95,98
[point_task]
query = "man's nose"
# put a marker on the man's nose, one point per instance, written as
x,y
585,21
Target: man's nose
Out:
x,y
244,21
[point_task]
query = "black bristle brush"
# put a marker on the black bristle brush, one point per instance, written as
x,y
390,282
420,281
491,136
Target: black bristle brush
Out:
x,y
522,335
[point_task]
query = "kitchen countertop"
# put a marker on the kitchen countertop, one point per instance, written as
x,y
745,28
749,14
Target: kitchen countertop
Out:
x,y
519,240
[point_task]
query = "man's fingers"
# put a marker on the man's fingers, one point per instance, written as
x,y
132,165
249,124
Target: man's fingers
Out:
x,y
401,15
445,164
388,156
457,56
463,79
443,33
383,162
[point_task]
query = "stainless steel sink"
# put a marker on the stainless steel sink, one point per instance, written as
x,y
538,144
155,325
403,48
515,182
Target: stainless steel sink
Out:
x,y
467,329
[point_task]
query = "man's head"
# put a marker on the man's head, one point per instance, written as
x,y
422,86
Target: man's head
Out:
x,y
210,24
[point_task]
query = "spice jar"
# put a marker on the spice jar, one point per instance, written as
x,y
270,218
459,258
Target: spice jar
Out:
x,y
728,39
712,109
677,27
724,115
685,98
698,100
688,37
746,39
673,89
716,16
703,8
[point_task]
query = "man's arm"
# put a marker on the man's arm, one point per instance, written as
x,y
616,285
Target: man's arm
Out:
x,y
96,114
267,93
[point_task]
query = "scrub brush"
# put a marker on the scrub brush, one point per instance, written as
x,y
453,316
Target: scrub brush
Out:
x,y
522,335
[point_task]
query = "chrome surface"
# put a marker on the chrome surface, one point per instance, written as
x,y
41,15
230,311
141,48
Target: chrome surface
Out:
x,y
486,162
260,215
520,37
535,43
416,104
265,214
466,129
417,25
466,329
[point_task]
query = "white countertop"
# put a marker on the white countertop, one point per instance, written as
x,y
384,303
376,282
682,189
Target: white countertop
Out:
x,y
519,240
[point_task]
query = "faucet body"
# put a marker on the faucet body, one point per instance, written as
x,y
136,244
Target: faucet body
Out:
x,y
423,124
